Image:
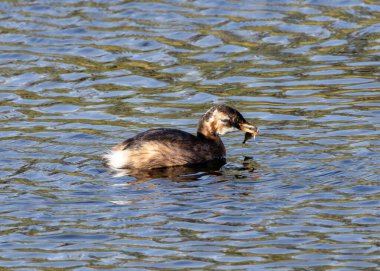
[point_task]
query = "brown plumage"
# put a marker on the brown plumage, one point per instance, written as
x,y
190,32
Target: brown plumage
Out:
x,y
165,147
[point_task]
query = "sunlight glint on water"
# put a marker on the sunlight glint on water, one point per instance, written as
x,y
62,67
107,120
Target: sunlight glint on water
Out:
x,y
78,77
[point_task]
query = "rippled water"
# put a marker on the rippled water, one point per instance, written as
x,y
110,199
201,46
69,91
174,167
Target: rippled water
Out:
x,y
77,77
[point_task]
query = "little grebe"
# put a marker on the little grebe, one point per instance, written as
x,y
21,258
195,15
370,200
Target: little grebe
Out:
x,y
165,147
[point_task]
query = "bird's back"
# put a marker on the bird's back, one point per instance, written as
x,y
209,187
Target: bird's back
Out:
x,y
164,147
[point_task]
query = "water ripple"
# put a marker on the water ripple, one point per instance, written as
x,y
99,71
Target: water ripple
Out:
x,y
78,77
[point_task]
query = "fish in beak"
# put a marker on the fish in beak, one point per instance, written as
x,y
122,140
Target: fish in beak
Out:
x,y
250,131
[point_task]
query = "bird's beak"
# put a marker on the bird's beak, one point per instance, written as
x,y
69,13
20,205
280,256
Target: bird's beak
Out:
x,y
249,128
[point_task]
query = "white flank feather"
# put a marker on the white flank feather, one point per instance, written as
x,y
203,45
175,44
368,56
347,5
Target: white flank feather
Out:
x,y
117,159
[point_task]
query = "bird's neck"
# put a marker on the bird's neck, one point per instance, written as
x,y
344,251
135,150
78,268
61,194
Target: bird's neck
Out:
x,y
207,129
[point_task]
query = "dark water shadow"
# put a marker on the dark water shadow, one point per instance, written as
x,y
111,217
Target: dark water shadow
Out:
x,y
191,173
177,173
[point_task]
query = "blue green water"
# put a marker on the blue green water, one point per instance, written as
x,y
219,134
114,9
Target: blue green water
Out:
x,y
77,77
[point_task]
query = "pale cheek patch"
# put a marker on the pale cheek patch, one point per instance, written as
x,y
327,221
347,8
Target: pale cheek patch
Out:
x,y
225,130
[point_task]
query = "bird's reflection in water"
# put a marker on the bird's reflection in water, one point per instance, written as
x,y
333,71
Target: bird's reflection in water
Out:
x,y
249,164
191,173
176,173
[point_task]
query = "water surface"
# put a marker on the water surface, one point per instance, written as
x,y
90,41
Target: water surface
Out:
x,y
79,77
